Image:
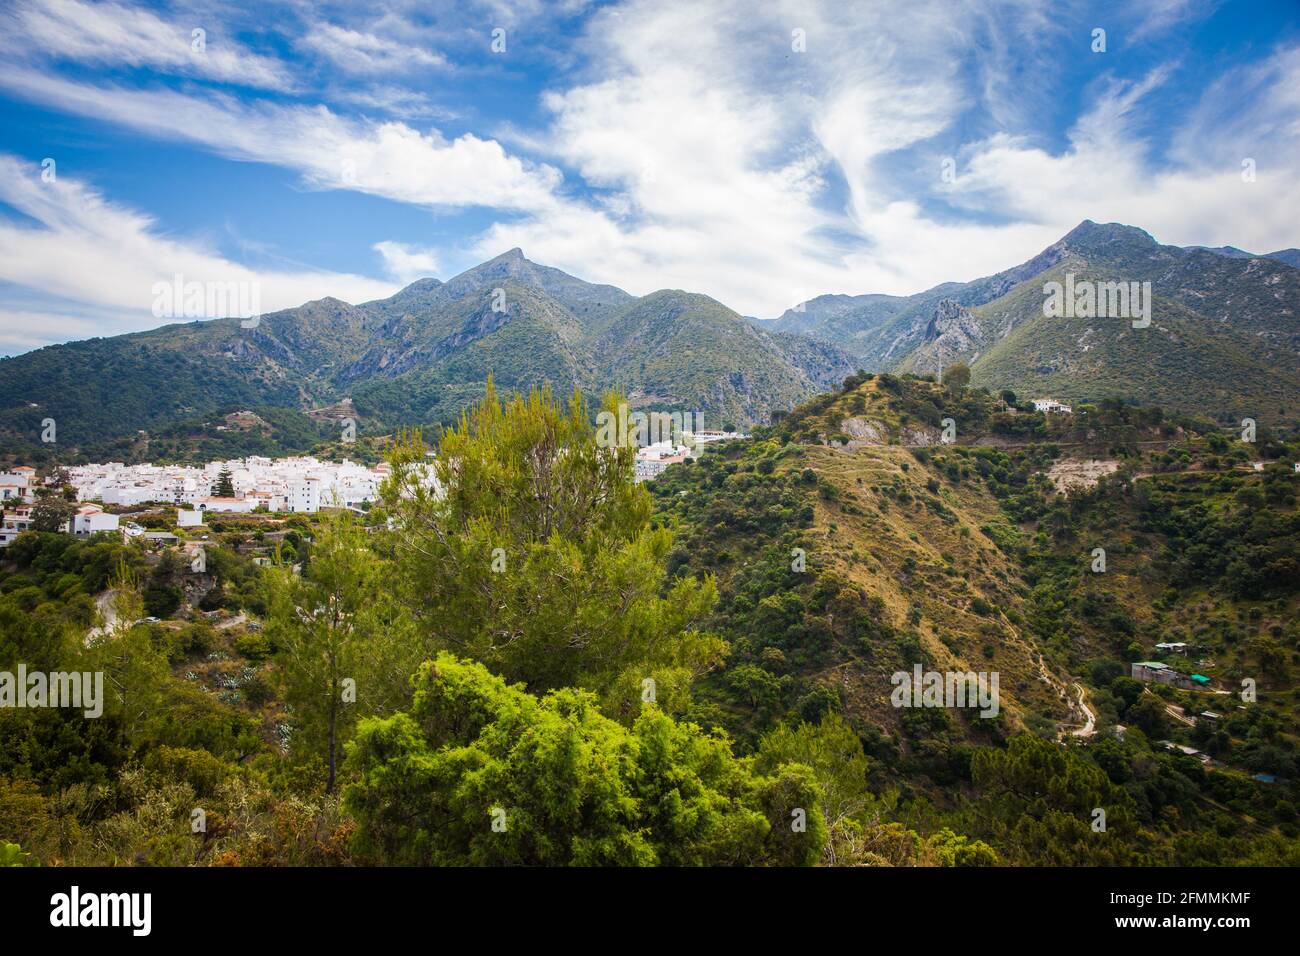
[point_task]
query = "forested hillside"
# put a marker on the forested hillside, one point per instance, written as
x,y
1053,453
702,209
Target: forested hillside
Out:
x,y
538,661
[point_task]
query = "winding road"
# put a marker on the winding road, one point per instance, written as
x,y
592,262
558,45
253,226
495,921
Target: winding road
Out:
x,y
1090,724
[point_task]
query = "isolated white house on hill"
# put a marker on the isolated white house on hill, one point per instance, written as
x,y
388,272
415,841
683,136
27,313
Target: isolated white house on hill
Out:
x,y
1051,405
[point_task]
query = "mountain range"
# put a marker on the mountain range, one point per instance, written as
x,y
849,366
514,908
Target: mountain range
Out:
x,y
420,356
1224,338
1224,341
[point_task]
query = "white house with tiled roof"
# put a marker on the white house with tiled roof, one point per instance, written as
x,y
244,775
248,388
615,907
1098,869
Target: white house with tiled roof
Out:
x,y
17,485
92,519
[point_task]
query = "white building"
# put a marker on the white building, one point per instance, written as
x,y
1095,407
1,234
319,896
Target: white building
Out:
x,y
16,485
704,436
301,484
92,519
188,519
1051,406
304,495
232,505
653,459
13,523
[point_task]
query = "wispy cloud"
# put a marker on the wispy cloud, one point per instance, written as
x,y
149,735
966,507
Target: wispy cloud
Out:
x,y
739,149
331,151
1195,195
118,35
360,52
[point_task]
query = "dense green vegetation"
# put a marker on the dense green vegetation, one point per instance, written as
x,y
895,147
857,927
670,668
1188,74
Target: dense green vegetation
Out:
x,y
546,663
1203,550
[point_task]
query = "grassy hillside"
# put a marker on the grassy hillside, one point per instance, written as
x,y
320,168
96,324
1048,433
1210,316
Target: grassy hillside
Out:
x,y
678,350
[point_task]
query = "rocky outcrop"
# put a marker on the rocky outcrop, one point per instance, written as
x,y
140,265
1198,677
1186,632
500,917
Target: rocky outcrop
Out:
x,y
953,334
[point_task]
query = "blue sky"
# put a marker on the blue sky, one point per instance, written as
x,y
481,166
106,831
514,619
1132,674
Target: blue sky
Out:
x,y
760,153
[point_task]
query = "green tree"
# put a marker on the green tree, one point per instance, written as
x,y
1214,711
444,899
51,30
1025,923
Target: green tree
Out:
x,y
534,553
1040,804
341,641
224,488
52,513
481,772
957,376
834,752
135,670
1148,712
953,849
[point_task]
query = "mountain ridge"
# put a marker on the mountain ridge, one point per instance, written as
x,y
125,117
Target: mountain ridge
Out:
x,y
418,357
1225,342
1243,305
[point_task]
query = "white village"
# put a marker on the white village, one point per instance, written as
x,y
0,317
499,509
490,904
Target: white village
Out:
x,y
295,485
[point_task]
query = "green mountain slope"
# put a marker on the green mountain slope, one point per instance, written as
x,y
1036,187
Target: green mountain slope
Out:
x,y
662,350
416,358
1184,360
1225,338
965,557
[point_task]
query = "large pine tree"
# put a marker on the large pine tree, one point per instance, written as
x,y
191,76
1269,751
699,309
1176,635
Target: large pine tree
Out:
x,y
535,554
224,488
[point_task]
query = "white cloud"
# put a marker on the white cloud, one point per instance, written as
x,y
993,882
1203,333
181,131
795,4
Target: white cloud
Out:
x,y
1108,173
360,52
388,159
24,329
407,263
113,34
1158,16
721,148
97,263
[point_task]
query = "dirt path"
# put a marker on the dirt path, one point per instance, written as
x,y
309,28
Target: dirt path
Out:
x,y
106,603
1090,723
